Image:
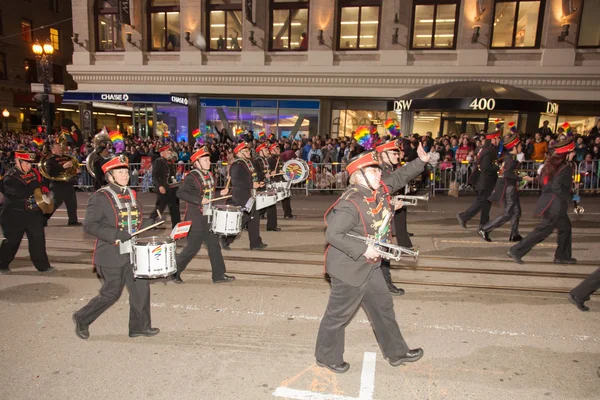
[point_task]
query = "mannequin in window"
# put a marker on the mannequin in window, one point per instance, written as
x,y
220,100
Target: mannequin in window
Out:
x,y
234,41
220,43
303,41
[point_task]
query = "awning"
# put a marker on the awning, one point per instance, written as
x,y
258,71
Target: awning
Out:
x,y
473,96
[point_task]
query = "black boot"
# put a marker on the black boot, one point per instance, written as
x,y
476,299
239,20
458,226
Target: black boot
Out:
x,y
484,235
515,238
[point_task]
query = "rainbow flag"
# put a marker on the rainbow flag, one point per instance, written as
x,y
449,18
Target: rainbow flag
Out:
x,y
166,134
196,133
567,127
392,127
115,136
38,142
261,134
270,136
239,131
364,138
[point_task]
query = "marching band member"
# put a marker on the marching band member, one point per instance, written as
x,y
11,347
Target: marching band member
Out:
x,y
486,176
103,150
582,292
244,183
197,190
286,203
21,215
389,155
557,181
113,214
263,172
506,192
363,209
164,171
63,191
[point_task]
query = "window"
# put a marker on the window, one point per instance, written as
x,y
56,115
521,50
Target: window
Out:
x,y
517,24
589,29
359,24
109,35
26,30
289,25
165,31
53,5
3,74
434,24
225,25
55,38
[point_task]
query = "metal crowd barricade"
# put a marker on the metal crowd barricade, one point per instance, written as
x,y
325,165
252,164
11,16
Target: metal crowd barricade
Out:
x,y
326,177
589,178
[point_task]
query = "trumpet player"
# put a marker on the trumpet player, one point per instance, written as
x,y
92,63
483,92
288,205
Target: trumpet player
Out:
x,y
506,192
557,181
389,155
364,209
63,191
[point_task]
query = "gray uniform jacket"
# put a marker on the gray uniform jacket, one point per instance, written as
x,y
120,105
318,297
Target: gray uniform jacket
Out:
x,y
361,213
192,191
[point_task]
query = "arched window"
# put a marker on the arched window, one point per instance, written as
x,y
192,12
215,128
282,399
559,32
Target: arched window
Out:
x,y
109,35
164,26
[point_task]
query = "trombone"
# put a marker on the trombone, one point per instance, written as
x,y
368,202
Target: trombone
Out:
x,y
410,200
387,250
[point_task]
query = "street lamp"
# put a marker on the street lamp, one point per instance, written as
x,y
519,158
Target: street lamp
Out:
x,y
43,56
6,114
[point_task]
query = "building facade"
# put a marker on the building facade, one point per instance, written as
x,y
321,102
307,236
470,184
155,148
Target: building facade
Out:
x,y
327,66
22,23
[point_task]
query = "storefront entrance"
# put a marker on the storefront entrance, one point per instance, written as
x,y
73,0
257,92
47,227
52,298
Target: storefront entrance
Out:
x,y
470,126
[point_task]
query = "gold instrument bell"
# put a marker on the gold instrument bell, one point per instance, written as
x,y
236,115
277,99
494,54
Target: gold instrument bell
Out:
x,y
68,173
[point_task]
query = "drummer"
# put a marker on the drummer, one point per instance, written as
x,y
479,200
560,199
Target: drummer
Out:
x,y
274,165
263,171
113,214
198,190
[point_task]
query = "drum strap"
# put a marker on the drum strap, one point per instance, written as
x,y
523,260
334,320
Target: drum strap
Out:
x,y
250,168
208,183
125,210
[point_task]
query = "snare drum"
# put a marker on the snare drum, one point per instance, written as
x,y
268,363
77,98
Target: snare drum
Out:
x,y
153,257
266,199
282,189
226,220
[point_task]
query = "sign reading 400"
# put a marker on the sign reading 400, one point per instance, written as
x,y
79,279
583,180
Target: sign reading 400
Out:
x,y
483,104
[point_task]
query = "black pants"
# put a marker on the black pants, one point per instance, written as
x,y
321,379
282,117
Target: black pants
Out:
x,y
65,194
542,231
115,279
286,204
195,239
481,204
512,212
168,199
15,224
252,221
344,301
588,286
385,270
271,216
400,226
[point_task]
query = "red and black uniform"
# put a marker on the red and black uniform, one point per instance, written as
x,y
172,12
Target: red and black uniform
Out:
x,y
286,203
261,165
62,191
163,174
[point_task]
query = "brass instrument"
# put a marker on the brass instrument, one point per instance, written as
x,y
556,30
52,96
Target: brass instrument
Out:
x,y
68,173
410,200
387,250
100,141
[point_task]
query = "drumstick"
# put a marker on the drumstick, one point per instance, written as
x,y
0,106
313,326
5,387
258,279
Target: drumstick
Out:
x,y
228,182
147,228
276,164
281,173
220,198
158,213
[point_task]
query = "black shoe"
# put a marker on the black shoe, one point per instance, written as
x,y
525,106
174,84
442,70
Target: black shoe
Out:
x,y
410,234
80,330
224,244
263,217
569,261
49,269
259,247
411,356
274,229
5,271
461,222
484,235
176,278
516,238
76,223
290,216
224,279
578,303
515,258
395,291
338,369
148,333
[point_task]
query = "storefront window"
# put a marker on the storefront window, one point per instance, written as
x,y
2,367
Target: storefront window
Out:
x,y
164,25
516,24
434,24
289,25
297,123
173,119
225,25
579,124
359,24
589,28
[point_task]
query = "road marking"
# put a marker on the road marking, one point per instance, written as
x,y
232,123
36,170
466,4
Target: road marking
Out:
x,y
489,243
367,385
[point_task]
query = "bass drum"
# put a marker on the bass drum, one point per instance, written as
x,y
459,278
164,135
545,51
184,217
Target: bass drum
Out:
x,y
295,170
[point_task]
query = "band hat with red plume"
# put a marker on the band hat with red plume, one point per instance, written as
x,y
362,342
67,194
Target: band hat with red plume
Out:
x,y
363,160
492,135
120,161
241,146
511,141
28,156
261,147
203,152
565,146
391,145
165,148
274,146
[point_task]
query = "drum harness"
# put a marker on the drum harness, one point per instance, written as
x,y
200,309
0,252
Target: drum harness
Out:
x,y
208,188
125,210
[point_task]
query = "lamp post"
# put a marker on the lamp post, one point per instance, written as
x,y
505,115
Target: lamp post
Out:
x,y
43,57
6,114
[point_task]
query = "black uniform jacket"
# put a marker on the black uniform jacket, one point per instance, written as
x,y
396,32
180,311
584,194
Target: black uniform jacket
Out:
x,y
488,170
162,171
509,179
100,178
192,191
556,194
361,213
101,221
272,163
18,190
55,168
241,182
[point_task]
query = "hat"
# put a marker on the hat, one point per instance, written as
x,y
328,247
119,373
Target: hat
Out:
x,y
240,147
391,145
364,160
116,162
274,146
260,147
564,147
25,155
164,148
203,152
511,141
492,135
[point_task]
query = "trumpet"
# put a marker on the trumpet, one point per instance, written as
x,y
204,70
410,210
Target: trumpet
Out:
x,y
387,250
410,200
